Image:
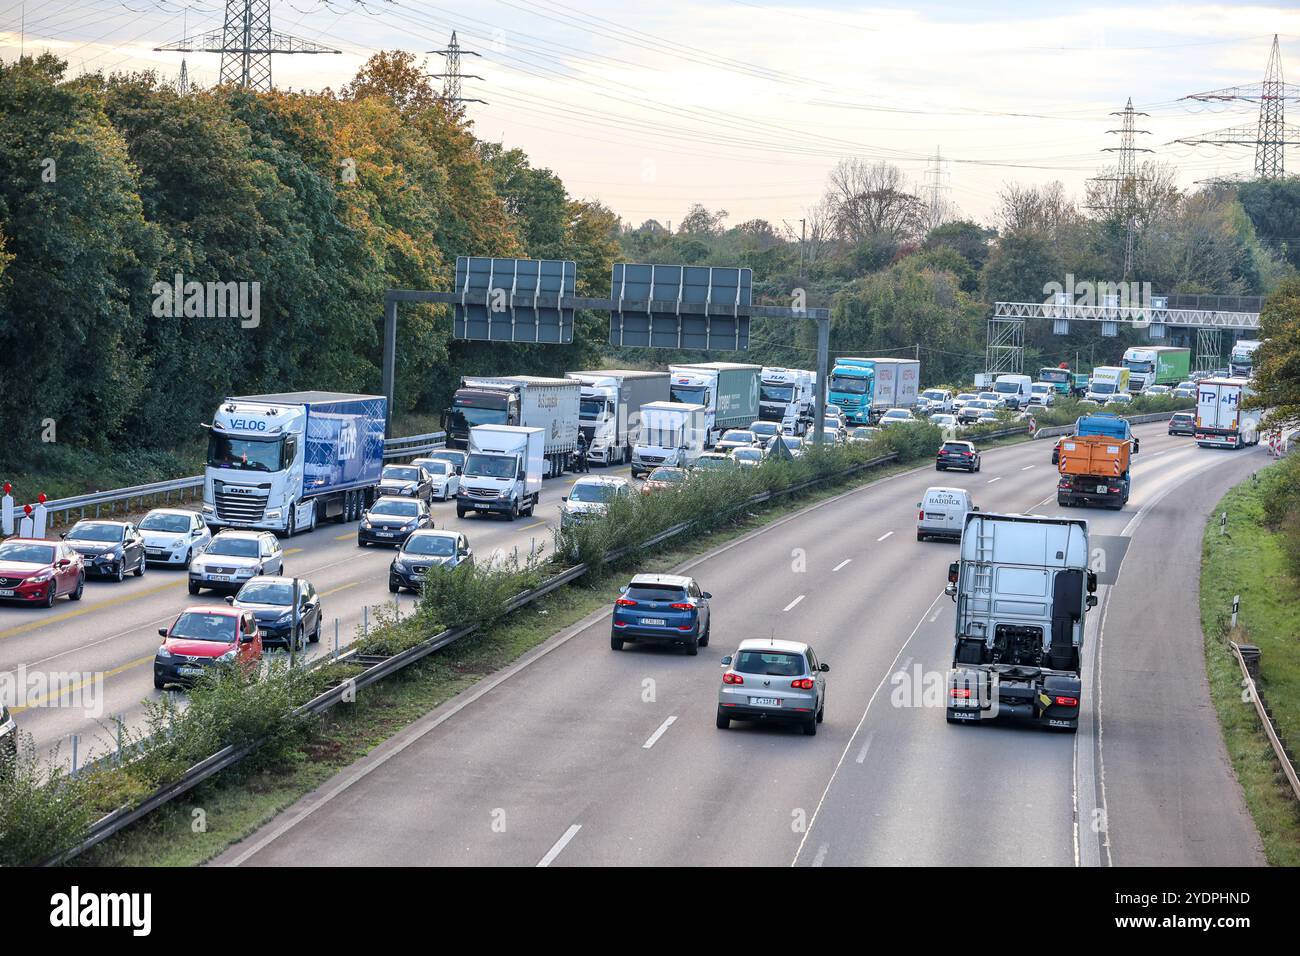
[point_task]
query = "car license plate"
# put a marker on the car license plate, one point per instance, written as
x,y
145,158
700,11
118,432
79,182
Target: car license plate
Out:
x,y
1101,489
219,577
480,507
190,671
765,701
6,592
384,534
655,621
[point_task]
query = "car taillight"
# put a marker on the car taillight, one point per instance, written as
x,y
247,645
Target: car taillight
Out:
x,y
802,683
1067,701
625,602
920,515
730,678
682,607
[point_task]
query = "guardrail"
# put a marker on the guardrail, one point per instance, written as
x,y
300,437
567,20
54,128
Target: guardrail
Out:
x,y
1283,758
189,489
123,817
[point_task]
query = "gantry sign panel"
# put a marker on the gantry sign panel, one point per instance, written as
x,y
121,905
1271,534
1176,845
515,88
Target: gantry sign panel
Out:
x,y
518,300
680,307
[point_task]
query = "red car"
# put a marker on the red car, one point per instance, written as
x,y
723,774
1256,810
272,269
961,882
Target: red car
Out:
x,y
35,571
206,636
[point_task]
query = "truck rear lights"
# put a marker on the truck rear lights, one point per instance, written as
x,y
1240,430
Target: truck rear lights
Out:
x,y
802,683
960,693
730,678
1067,702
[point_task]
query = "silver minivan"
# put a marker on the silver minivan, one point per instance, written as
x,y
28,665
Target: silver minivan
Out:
x,y
941,512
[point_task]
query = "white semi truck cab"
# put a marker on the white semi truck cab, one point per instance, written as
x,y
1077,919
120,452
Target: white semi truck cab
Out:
x,y
786,395
1022,588
284,462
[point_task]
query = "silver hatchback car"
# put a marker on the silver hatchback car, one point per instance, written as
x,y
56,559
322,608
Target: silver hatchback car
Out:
x,y
773,680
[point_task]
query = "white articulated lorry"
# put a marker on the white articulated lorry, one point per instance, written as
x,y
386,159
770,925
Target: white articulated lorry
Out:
x,y
529,401
727,390
503,471
788,396
1221,422
611,409
1022,587
671,433
287,461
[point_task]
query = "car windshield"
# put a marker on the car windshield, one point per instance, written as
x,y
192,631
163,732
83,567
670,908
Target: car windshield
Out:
x,y
266,592
96,532
942,419
897,413
956,447
400,509
1103,388
863,432
27,553
747,454
400,473
490,466
849,385
438,467
1040,388
197,626
1183,417
178,524
933,393
770,663
233,547
709,462
1007,388
763,429
1121,398
593,492
434,545
988,396
666,474
966,397
244,454
655,592
457,458
739,436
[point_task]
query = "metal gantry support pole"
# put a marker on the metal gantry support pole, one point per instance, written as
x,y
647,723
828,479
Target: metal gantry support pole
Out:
x,y
823,365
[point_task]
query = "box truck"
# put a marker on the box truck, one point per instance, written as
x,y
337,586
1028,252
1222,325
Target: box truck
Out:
x,y
503,471
866,388
1221,422
286,461
1022,588
671,433
1107,380
788,396
610,409
727,390
1156,365
550,404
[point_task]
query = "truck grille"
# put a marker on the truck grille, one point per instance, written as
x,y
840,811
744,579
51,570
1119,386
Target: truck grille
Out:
x,y
240,507
652,459
482,492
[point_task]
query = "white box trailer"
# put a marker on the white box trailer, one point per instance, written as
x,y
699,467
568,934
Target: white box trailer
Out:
x,y
503,471
897,384
1221,422
551,404
611,409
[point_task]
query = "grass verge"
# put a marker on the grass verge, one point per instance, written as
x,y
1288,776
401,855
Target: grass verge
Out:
x,y
1252,561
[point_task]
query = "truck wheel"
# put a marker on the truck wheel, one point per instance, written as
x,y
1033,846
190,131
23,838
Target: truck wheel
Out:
x,y
724,722
291,526
460,512
513,513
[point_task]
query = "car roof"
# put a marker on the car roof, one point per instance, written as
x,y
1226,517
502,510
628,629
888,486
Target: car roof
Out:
x,y
28,541
600,480
770,644
383,498
958,441
239,533
171,511
431,533
947,490
272,579
109,521
672,580
223,609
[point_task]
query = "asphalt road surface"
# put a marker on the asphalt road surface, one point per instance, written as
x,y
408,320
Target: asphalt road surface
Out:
x,y
585,756
102,647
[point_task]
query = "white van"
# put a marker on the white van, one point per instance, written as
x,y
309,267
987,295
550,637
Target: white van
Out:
x,y
1015,391
941,512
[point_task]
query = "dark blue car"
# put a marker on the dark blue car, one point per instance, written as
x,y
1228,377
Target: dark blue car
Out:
x,y
663,608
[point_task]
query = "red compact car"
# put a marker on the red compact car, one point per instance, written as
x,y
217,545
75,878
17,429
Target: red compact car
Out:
x,y
206,636
35,571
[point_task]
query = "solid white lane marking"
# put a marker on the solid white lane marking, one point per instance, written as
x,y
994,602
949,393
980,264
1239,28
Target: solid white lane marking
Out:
x,y
991,480
841,564
862,754
658,733
821,854
884,536
794,602
560,844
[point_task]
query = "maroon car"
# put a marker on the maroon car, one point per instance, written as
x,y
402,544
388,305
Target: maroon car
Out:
x,y
34,571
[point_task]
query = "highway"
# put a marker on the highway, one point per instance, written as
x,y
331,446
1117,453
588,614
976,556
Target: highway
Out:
x,y
577,755
113,630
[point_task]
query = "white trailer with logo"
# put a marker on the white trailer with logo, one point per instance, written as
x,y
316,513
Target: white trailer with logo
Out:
x,y
897,384
1221,422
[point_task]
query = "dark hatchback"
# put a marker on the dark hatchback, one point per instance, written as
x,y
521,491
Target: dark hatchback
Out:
x,y
662,608
957,454
1182,423
271,601
391,520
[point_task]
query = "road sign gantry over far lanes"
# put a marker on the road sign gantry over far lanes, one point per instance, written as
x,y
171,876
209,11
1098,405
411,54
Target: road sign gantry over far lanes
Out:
x,y
659,306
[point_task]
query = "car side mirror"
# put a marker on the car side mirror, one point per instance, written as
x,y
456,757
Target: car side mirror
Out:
x,y
230,599
564,497
726,661
63,534
707,595
825,668
162,632
246,638
62,563
974,507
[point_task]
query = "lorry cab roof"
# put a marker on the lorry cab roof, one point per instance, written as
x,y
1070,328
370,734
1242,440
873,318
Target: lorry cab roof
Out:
x,y
303,398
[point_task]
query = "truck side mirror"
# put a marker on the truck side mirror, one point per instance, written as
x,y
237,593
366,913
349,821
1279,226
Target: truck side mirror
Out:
x,y
953,570
1092,581
1092,600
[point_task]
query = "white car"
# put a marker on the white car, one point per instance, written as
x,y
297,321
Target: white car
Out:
x,y
590,497
235,556
174,536
896,416
934,400
444,483
1042,394
961,399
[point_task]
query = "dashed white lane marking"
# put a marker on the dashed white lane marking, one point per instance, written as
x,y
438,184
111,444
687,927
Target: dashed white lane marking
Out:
x,y
821,854
658,733
991,480
560,844
841,564
794,602
862,754
1027,467
884,536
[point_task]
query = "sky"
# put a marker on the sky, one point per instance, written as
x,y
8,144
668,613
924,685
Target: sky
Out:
x,y
746,105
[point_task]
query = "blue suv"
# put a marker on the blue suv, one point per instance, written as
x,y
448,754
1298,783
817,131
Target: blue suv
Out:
x,y
663,608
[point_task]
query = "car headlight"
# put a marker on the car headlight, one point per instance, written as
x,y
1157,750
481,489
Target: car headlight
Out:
x,y
42,577
365,523
164,653
228,657
246,572
285,618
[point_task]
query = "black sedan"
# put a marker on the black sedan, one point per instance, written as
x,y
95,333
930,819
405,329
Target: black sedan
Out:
x,y
1182,423
390,520
271,601
957,454
108,548
406,481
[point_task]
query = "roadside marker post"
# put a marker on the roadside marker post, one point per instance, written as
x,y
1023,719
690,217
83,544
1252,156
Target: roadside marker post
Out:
x,y
1236,606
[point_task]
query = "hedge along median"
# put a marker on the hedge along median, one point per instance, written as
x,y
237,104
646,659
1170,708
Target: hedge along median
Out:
x,y
1259,559
44,812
